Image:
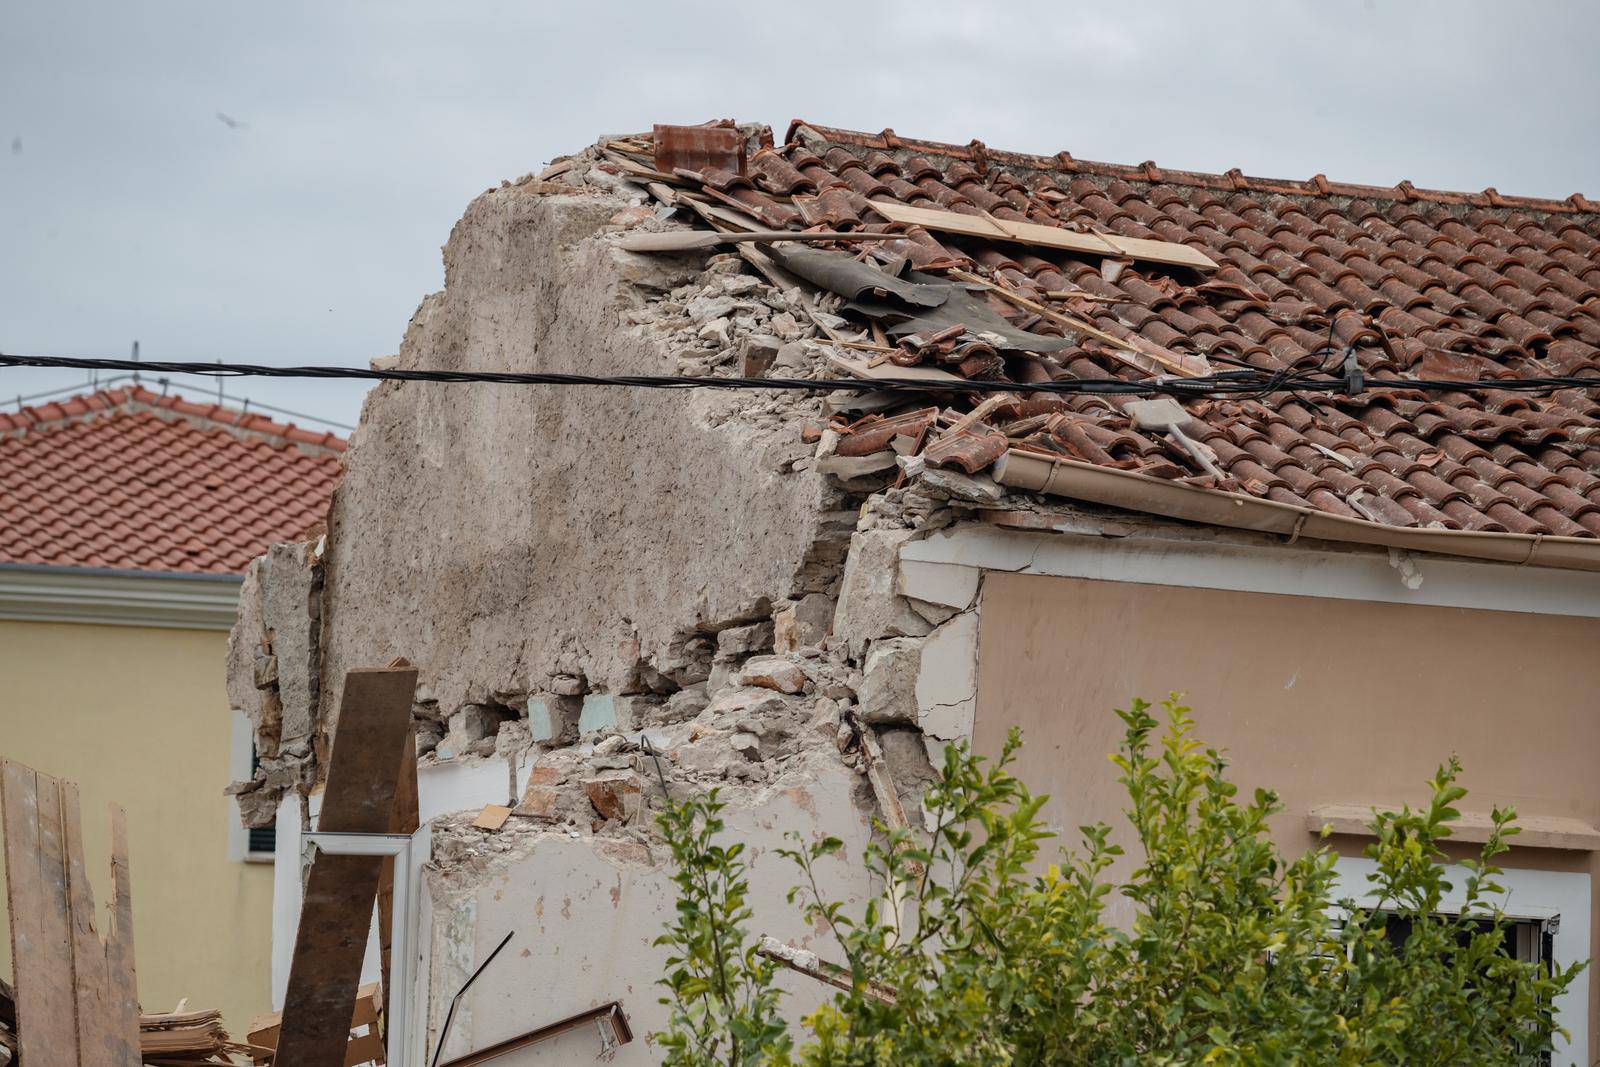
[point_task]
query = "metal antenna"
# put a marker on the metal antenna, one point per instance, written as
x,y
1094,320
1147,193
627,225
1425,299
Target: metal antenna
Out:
x,y
136,359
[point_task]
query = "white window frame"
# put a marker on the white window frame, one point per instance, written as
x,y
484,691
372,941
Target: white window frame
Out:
x,y
407,1041
1529,894
241,747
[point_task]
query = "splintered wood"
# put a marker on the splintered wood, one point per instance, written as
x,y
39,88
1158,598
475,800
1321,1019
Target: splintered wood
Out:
x,y
75,999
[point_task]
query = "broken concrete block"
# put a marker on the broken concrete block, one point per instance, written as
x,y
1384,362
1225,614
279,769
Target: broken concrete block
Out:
x,y
888,691
610,746
946,584
746,702
850,467
614,794
746,744
934,613
745,640
947,680
803,623
681,706
757,354
554,719
599,713
566,685
976,488
773,672
869,607
541,797
470,726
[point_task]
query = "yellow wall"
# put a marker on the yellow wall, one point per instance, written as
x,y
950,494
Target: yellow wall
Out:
x,y
140,716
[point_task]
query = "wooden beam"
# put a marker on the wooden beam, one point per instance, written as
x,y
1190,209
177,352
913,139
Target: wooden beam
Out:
x,y
374,721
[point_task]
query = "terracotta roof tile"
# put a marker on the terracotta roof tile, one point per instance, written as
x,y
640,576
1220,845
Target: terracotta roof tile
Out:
x,y
1426,283
133,480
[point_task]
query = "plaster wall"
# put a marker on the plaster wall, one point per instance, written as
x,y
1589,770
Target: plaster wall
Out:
x,y
500,535
1326,700
139,716
585,912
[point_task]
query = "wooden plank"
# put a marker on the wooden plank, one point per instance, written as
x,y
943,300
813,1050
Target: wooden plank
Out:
x,y
41,938
122,994
1032,233
936,219
1162,252
90,989
374,721
492,817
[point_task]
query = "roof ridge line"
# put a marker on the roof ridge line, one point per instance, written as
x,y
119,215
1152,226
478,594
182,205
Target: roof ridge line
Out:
x,y
80,407
1231,181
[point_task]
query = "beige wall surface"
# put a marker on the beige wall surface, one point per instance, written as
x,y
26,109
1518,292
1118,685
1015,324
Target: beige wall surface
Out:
x,y
140,716
1326,701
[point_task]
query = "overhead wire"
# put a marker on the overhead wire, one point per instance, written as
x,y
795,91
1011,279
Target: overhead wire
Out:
x,y
1246,383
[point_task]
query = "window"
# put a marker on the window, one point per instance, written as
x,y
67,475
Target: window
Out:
x,y
1547,920
246,845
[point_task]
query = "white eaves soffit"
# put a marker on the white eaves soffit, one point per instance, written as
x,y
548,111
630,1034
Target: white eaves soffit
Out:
x,y
1154,558
118,598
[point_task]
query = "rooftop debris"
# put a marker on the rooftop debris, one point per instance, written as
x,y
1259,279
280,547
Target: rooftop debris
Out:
x,y
1010,268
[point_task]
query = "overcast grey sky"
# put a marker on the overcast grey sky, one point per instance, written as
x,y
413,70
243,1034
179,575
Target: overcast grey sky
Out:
x,y
308,231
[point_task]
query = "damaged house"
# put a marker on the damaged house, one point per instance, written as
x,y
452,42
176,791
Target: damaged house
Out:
x,y
801,596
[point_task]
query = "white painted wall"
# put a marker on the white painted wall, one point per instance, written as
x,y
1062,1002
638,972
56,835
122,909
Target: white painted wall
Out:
x,y
441,788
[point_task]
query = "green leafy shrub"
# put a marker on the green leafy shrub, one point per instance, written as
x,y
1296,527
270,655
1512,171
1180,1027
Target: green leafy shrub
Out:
x,y
1234,954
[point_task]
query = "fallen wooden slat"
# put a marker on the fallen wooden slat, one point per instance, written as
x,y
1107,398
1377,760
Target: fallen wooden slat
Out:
x,y
122,994
374,720
91,989
41,937
492,817
1032,233
74,1003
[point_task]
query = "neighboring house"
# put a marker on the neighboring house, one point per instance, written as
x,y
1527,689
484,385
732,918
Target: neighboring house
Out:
x,y
126,517
1349,588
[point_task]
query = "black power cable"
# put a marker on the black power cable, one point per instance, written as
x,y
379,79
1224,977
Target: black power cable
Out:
x,y
1225,383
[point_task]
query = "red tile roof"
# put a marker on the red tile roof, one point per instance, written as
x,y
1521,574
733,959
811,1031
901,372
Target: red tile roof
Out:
x,y
1424,283
132,480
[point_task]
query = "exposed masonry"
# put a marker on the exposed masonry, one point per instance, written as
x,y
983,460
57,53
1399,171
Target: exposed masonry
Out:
x,y
585,576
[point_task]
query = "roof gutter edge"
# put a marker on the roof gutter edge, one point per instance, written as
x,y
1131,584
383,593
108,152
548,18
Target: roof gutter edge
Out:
x,y
118,598
1138,492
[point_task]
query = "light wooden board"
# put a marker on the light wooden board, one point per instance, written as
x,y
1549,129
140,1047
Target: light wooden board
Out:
x,y
374,722
41,937
75,1001
1033,233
